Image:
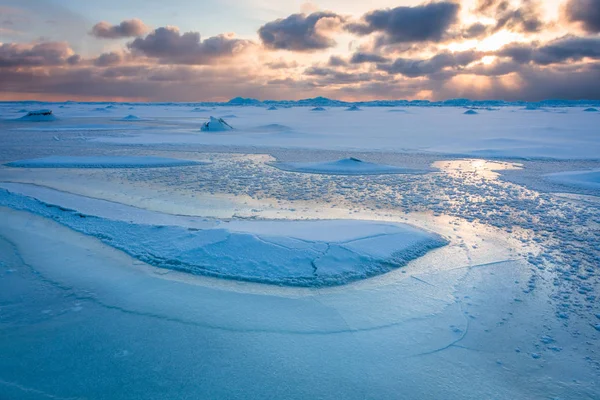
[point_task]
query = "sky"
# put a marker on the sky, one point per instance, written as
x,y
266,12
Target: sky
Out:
x,y
213,50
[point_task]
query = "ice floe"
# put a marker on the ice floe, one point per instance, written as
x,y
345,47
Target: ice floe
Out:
x,y
216,125
39,116
289,253
101,162
346,166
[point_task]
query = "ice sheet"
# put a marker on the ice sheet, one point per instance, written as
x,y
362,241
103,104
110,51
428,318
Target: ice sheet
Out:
x,y
101,162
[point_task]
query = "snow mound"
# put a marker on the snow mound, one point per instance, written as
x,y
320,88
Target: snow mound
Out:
x,y
577,179
318,109
470,112
100,109
398,111
272,108
39,116
197,109
131,117
101,162
216,125
347,166
591,109
290,253
353,108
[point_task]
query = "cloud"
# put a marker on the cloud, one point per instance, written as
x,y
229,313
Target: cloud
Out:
x,y
565,49
171,47
360,58
585,12
337,61
436,64
301,32
428,22
129,28
36,55
107,59
524,18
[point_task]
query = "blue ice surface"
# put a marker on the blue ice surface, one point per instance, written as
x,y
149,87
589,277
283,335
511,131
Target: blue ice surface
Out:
x,y
101,162
221,253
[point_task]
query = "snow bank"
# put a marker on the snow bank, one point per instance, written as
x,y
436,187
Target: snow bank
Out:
x,y
101,162
470,112
318,109
290,253
347,166
591,109
216,125
39,116
353,108
272,108
579,179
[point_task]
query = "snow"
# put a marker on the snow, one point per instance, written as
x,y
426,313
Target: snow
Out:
x,y
347,166
581,179
353,108
470,112
39,116
506,132
216,125
101,162
272,108
591,109
318,109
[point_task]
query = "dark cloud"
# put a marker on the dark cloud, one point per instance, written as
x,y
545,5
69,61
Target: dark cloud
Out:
x,y
172,47
107,59
36,55
427,67
526,17
585,12
130,28
337,61
300,32
428,22
360,58
565,49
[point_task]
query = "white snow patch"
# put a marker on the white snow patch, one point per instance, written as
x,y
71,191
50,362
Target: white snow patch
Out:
x,y
347,166
101,162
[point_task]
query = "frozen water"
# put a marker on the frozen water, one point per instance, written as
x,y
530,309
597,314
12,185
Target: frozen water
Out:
x,y
100,162
39,116
347,166
583,179
470,112
216,125
233,278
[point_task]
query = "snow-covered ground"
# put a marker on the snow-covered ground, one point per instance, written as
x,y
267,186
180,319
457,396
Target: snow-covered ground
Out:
x,y
412,252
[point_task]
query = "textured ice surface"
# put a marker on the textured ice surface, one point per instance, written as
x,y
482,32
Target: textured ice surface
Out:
x,y
318,253
216,125
348,166
39,116
101,162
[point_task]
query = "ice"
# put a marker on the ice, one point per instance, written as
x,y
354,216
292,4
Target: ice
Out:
x,y
39,116
216,125
353,108
470,112
101,162
347,166
581,179
471,272
591,109
272,108
266,252
131,117
318,109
